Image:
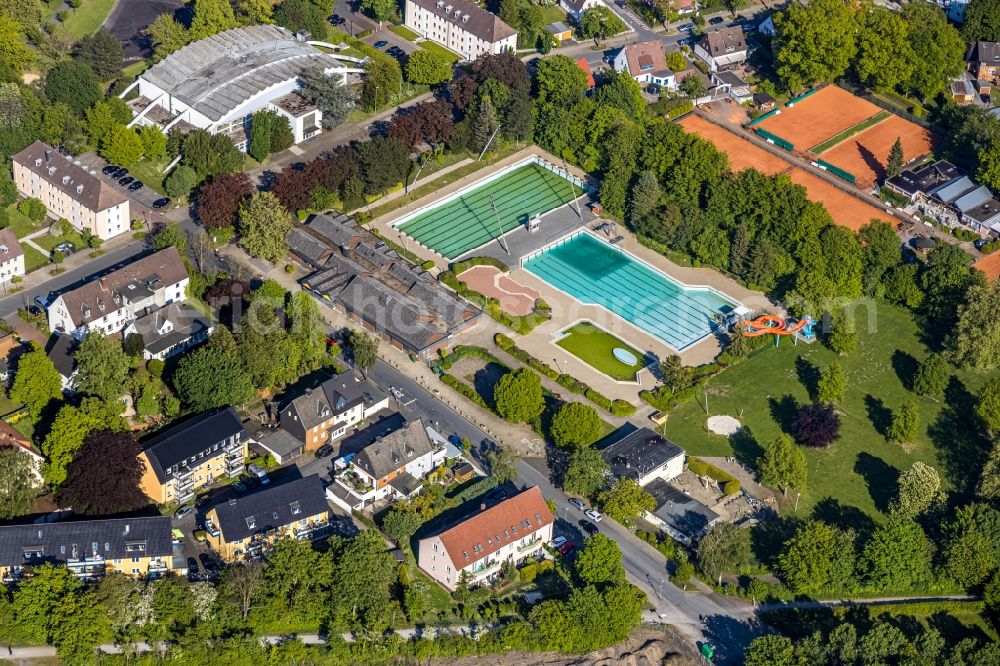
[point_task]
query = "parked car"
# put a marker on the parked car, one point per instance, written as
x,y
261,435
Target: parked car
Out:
x,y
110,169
588,527
381,44
239,486
127,180
66,248
206,562
192,565
578,504
715,20
594,515
324,451
687,27
336,19
258,474
120,172
979,243
201,501
136,185
183,512
567,548
558,542
160,203
34,310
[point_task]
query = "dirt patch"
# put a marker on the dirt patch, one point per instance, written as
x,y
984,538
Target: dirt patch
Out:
x,y
864,155
723,425
645,647
818,117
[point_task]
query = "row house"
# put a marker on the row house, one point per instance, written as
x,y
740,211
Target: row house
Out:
x,y
192,455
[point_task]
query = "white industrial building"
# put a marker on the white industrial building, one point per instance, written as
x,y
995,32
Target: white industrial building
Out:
x,y
217,83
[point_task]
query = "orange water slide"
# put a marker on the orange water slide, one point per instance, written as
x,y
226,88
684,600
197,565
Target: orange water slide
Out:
x,y
770,325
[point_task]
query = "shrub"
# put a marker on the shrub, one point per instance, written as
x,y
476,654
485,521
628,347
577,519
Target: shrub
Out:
x,y
528,573
730,484
33,209
464,389
731,487
427,265
622,408
816,425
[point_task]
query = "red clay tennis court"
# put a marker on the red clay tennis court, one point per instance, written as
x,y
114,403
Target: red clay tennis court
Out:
x,y
845,209
864,155
989,265
822,115
514,297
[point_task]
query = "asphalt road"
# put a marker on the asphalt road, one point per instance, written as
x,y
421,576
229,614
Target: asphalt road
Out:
x,y
130,18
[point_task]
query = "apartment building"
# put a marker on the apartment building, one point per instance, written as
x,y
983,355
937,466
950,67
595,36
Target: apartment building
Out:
x,y
512,530
12,439
247,526
70,191
11,256
139,547
393,466
324,413
461,26
110,303
194,454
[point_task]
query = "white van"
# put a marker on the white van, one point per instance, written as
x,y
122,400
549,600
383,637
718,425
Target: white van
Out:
x,y
257,473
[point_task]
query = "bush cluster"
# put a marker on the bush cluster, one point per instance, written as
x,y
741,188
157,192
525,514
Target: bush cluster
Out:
x,y
730,484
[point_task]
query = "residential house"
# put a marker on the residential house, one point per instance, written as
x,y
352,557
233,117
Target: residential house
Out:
x,y
358,274
279,444
575,8
559,31
460,26
763,102
731,84
722,47
61,350
644,455
646,63
475,548
70,191
392,467
248,525
324,413
11,438
193,454
984,61
682,7
681,516
170,330
138,547
11,256
109,303
962,91
922,183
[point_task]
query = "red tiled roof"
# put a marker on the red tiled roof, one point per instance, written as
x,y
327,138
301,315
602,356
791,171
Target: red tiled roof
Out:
x,y
645,57
582,63
488,531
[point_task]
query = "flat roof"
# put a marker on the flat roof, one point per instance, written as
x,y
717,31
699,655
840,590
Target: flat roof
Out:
x,y
639,452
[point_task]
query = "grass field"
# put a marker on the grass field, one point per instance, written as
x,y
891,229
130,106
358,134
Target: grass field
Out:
x,y
595,346
857,474
150,173
33,259
405,33
849,132
88,17
20,222
431,46
552,14
47,242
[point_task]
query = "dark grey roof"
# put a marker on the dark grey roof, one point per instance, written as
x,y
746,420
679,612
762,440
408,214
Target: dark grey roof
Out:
x,y
217,74
986,52
926,179
762,98
280,442
406,484
271,507
186,440
114,538
395,450
341,230
983,212
61,349
720,42
729,78
184,322
639,452
681,512
334,396
469,17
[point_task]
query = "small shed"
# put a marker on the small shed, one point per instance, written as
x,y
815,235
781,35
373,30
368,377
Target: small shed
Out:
x,y
463,472
763,101
559,31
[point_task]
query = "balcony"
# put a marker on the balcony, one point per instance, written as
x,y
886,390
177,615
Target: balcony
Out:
x,y
234,470
183,485
235,454
313,531
486,568
355,482
234,446
186,497
182,473
531,545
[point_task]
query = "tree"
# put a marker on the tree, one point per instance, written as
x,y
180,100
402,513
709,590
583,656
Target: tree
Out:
x,y
816,425
894,165
559,81
988,406
211,154
37,383
102,367
180,181
725,548
770,650
263,225
154,142
362,575
976,342
783,465
170,235
38,596
302,16
817,42
253,12
429,67
74,84
518,396
626,500
903,428
585,472
104,116
103,53
919,488
79,624
600,562
599,23
364,350
932,377
260,134
937,46
982,22
897,556
208,377
105,475
621,91
676,61
383,161
334,99
121,146
210,17
645,196
971,544
576,424
502,462
380,10
218,201
884,58
809,560
484,124
167,36
693,86
383,79
13,50
832,383
989,479
17,483
70,427
243,582
401,524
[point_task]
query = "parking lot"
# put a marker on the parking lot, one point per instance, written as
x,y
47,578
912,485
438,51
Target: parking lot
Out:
x,y
144,196
401,45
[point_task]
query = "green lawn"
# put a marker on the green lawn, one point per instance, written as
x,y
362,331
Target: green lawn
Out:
x,y
20,223
431,46
47,242
849,132
435,598
405,33
595,346
553,14
859,471
150,173
135,69
88,17
33,259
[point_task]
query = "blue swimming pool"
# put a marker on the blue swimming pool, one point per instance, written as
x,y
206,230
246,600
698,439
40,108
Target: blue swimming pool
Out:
x,y
595,272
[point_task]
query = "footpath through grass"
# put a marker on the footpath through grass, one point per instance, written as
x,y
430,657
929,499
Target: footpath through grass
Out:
x,y
595,347
859,472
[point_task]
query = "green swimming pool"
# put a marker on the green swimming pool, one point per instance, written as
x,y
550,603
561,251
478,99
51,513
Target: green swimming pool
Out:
x,y
595,272
466,221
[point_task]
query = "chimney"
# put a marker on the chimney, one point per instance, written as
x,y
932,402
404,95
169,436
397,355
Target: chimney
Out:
x,y
48,155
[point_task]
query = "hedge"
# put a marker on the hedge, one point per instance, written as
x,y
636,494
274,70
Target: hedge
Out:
x,y
615,407
730,484
461,351
476,489
464,389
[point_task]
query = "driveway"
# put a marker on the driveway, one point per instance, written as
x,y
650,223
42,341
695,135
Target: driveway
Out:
x,y
394,40
128,23
354,20
144,196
